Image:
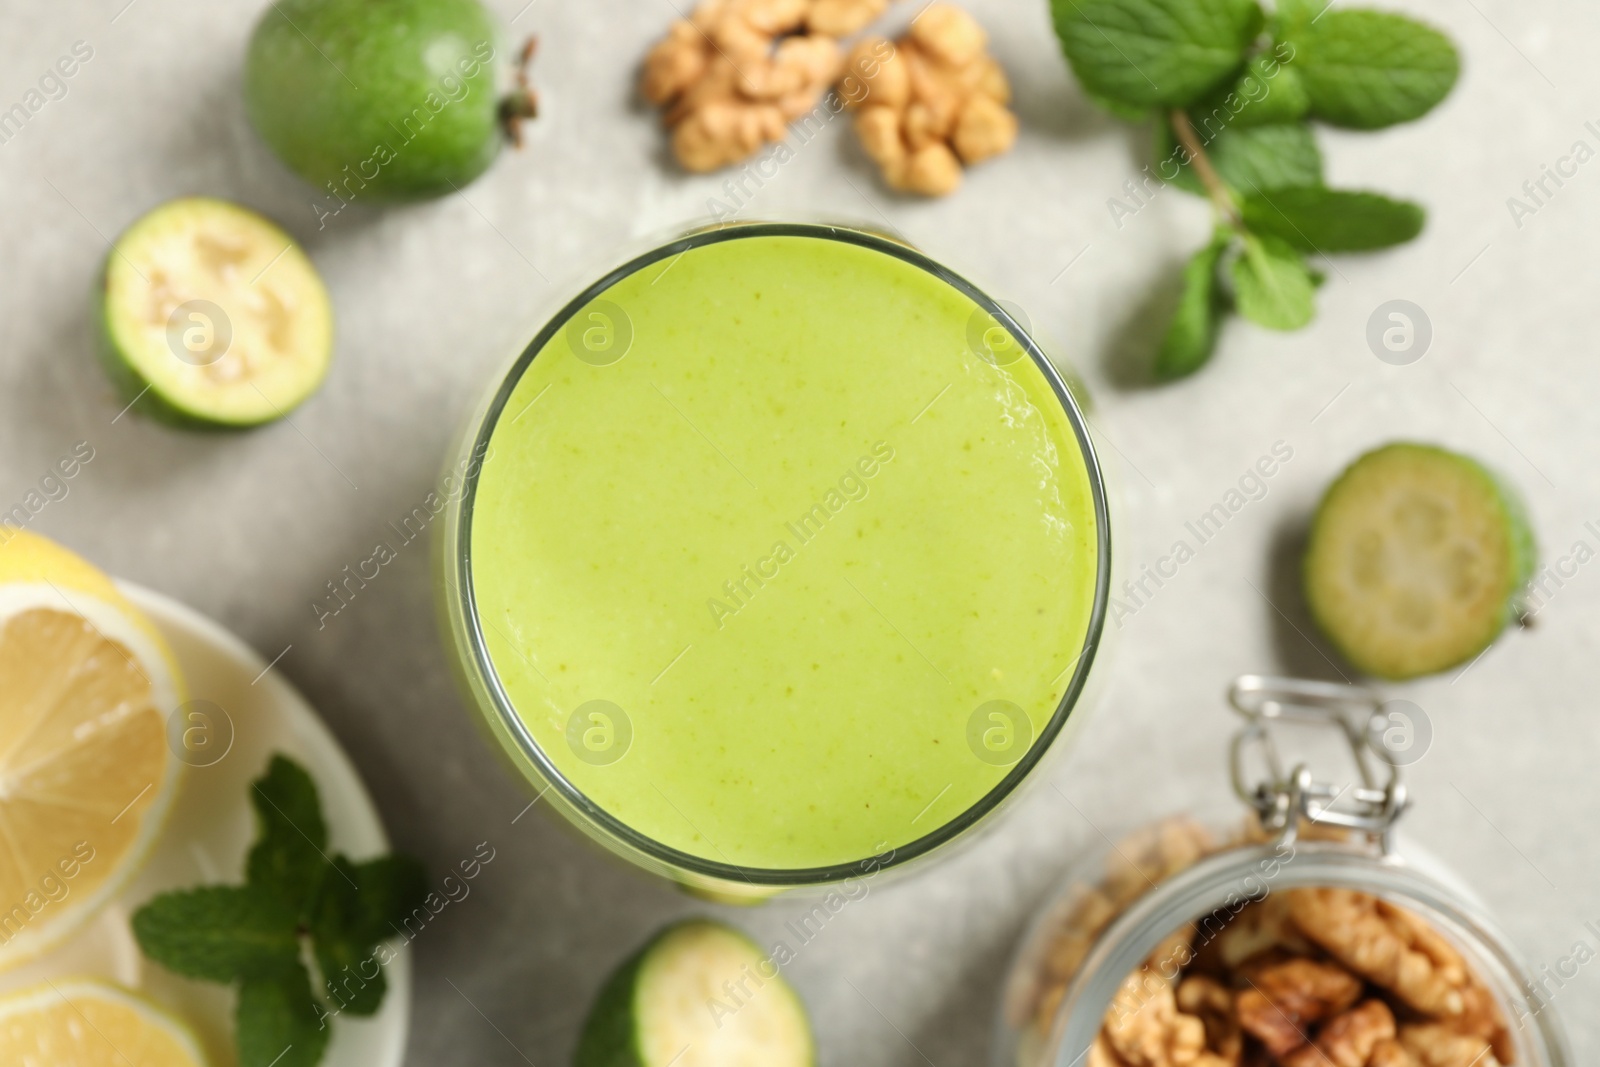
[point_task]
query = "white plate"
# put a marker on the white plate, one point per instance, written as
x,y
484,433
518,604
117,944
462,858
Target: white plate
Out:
x,y
211,828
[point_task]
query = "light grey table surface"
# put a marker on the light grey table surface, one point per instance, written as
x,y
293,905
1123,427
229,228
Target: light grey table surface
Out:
x,y
431,298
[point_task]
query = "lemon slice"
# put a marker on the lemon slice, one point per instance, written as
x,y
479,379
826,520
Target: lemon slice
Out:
x,y
86,774
81,1022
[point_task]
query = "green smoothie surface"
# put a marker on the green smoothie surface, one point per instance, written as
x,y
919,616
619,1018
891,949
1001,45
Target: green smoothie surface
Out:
x,y
766,498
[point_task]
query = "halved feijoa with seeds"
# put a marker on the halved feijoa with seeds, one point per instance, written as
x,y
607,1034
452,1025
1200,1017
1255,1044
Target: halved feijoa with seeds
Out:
x,y
1418,558
212,316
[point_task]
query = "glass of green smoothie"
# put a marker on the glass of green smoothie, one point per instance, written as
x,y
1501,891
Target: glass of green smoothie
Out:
x,y
780,557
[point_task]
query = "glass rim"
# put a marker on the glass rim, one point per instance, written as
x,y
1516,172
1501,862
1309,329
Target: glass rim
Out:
x,y
464,596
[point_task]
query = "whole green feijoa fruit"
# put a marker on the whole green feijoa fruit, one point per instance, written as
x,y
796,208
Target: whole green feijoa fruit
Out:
x,y
381,99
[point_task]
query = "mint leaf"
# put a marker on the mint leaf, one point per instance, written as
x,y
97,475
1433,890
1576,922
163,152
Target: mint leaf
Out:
x,y
365,903
1155,53
1193,333
352,979
1251,159
357,907
1316,219
1268,92
391,889
1367,69
217,933
288,856
278,1023
1117,109
1271,285
1291,16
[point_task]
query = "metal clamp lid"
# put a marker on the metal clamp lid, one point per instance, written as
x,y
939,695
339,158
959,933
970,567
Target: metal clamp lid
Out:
x,y
1282,799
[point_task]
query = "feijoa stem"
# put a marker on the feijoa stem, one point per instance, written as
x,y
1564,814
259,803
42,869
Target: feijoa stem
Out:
x,y
522,103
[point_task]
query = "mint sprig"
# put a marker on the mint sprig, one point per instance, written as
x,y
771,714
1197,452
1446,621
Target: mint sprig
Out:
x,y
296,897
1233,92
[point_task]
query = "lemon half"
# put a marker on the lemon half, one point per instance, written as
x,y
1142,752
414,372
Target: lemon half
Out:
x,y
86,774
83,1022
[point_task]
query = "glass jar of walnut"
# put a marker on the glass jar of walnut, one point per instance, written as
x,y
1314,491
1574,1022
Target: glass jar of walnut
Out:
x,y
1301,939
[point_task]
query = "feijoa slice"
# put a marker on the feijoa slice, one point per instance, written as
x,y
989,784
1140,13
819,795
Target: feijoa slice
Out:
x,y
699,994
211,316
1417,560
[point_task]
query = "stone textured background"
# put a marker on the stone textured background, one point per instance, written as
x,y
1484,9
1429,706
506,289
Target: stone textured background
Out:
x,y
431,298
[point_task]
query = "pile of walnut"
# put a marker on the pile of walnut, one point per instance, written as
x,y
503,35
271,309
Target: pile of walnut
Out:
x,y
938,101
1302,978
736,73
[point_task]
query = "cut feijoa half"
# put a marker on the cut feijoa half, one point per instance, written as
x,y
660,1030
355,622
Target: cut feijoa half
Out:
x,y
1417,560
699,994
211,316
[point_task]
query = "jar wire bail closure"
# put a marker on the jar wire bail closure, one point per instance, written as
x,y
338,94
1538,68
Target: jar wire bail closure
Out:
x,y
1283,798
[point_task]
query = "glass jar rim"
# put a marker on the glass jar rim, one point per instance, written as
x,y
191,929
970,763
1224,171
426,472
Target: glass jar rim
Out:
x,y
1212,885
464,601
